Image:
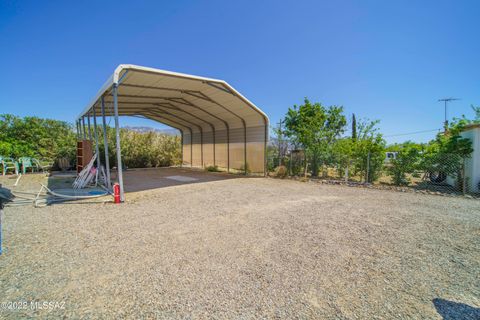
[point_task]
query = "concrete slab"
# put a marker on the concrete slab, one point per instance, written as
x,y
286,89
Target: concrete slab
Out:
x,y
152,178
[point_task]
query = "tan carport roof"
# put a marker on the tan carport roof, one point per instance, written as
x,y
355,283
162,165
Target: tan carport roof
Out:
x,y
179,100
219,126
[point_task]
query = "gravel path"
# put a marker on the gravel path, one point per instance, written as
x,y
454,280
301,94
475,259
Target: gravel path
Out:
x,y
247,248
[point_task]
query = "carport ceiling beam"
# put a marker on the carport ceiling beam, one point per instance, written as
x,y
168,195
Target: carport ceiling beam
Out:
x,y
196,125
179,124
172,107
169,123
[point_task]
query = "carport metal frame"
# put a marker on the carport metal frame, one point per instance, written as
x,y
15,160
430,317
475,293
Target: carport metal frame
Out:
x,y
157,112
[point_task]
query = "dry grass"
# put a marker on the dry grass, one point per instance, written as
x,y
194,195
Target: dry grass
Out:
x,y
246,248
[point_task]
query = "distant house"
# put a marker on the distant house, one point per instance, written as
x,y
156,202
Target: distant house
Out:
x,y
390,155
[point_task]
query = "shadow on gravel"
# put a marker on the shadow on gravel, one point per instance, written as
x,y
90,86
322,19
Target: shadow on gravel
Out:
x,y
153,178
450,310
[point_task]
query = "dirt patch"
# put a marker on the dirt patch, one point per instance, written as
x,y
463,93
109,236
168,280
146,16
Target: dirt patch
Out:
x,y
246,248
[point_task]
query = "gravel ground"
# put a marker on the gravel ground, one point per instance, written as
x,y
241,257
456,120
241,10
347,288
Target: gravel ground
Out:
x,y
246,248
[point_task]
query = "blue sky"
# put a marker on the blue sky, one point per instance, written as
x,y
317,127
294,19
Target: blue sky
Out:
x,y
386,60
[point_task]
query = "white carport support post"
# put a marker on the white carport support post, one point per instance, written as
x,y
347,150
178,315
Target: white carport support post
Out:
x,y
83,129
117,144
181,148
78,129
95,134
105,144
89,127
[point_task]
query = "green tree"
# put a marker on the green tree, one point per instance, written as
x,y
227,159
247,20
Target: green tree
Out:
x,y
369,150
406,162
35,137
315,128
48,139
354,127
343,152
142,149
448,153
280,144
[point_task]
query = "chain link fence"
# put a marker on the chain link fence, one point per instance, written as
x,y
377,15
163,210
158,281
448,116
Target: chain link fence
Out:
x,y
439,173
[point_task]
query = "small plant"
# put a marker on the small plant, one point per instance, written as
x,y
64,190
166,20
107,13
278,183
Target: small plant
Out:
x,y
246,168
281,172
212,169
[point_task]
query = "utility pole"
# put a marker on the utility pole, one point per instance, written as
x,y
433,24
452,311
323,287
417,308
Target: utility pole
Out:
x,y
446,100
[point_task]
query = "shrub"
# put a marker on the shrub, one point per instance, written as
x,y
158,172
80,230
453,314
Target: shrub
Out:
x,y
48,139
281,172
36,137
246,168
406,162
212,169
368,151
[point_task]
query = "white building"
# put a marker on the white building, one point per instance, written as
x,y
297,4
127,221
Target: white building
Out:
x,y
472,132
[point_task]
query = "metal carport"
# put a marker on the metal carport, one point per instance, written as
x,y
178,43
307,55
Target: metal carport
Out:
x,y
218,125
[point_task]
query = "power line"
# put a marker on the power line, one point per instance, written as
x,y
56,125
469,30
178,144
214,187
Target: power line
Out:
x,y
409,133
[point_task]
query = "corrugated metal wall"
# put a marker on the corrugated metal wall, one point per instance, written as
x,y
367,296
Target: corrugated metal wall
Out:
x,y
232,140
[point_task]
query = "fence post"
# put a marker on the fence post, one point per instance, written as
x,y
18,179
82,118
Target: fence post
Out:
x,y
368,168
464,178
290,164
346,172
306,165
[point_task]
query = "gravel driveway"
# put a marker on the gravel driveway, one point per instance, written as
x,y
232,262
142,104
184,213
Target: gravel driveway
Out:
x,y
246,248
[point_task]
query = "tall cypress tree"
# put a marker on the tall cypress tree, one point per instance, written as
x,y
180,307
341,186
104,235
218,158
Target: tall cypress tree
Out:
x,y
354,127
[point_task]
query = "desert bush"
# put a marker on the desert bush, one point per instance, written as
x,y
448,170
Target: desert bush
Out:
x,y
406,162
212,169
143,149
36,137
368,151
246,168
281,172
52,139
315,128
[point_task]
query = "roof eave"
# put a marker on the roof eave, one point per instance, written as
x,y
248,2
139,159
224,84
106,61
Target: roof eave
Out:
x,y
117,75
